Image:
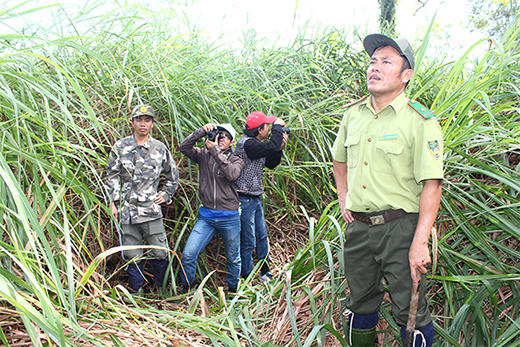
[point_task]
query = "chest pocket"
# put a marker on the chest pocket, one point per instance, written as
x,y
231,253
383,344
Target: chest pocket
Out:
x,y
149,166
150,171
353,148
388,156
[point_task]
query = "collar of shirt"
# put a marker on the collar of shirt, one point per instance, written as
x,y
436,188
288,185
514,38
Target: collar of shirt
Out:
x,y
144,145
396,105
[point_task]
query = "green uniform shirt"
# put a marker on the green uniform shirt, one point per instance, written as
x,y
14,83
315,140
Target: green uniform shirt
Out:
x,y
388,154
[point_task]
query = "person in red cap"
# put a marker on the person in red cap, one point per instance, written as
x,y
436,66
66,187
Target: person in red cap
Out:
x,y
257,153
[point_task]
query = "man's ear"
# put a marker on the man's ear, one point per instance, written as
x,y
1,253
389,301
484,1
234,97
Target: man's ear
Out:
x,y
407,75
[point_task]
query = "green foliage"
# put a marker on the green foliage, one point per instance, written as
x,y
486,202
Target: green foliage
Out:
x,y
65,95
492,16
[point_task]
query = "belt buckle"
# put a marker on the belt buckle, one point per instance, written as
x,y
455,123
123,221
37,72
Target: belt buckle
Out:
x,y
379,219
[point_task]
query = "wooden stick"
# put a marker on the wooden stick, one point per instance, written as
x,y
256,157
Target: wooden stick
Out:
x,y
412,313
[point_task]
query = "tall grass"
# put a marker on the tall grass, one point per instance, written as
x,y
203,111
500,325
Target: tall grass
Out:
x,y
65,93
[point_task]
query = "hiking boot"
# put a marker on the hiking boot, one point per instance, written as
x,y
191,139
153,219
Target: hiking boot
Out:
x,y
267,277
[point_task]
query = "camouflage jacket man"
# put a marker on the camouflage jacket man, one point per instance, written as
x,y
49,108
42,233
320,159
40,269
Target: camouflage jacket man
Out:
x,y
133,174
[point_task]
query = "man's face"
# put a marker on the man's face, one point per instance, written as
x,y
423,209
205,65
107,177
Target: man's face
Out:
x,y
224,140
264,132
384,76
142,125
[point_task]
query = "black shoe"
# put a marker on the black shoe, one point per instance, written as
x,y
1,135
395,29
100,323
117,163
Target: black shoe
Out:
x,y
232,289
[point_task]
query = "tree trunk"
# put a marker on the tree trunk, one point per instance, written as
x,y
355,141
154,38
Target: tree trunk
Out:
x,y
387,16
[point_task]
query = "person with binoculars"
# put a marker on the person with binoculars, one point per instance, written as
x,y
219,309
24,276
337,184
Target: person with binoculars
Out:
x,y
257,153
219,167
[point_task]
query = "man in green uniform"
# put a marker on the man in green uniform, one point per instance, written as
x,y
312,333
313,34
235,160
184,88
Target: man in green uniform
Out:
x,y
387,161
134,168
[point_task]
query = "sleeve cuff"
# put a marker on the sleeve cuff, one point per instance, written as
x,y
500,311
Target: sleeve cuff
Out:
x,y
166,198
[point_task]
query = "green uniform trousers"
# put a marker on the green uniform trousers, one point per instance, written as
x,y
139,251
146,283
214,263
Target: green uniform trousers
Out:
x,y
373,251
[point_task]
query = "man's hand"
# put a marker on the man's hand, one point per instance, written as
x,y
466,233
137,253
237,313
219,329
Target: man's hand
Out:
x,y
113,208
419,257
159,199
210,144
284,140
279,121
340,174
209,127
347,215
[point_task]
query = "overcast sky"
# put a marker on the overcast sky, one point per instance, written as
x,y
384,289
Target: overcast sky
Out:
x,y
271,18
284,18
282,15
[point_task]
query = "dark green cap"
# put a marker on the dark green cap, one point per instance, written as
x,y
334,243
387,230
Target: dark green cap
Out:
x,y
374,41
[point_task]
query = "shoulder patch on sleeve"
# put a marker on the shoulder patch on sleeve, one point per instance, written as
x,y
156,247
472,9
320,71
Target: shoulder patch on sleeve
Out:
x,y
355,102
421,109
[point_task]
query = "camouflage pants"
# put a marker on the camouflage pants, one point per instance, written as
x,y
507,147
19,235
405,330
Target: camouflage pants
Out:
x,y
152,232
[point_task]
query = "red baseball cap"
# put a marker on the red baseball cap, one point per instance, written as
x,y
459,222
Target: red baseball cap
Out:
x,y
257,118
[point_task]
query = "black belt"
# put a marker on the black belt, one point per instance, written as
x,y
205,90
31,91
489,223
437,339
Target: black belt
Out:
x,y
380,218
248,196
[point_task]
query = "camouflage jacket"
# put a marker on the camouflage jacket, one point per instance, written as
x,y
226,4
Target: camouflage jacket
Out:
x,y
133,174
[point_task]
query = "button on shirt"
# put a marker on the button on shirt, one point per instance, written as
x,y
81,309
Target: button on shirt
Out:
x,y
133,174
388,154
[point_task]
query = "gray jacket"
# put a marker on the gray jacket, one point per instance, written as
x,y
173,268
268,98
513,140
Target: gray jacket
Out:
x,y
217,173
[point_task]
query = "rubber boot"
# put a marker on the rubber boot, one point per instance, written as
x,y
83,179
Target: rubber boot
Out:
x,y
135,276
422,337
362,337
360,329
159,270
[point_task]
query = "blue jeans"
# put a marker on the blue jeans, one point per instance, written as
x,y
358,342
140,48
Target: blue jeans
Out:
x,y
253,233
201,235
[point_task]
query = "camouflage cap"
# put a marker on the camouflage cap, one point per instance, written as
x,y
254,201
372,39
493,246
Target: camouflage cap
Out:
x,y
143,110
